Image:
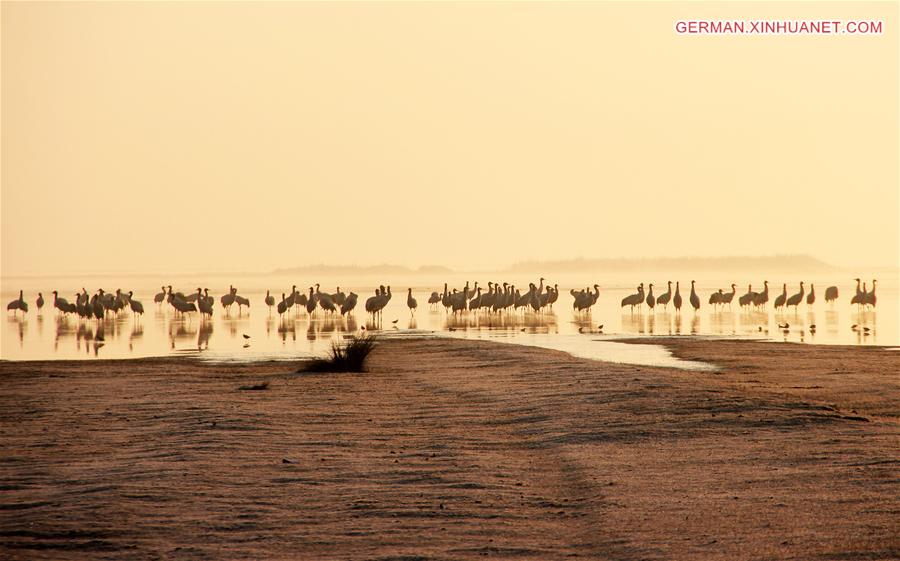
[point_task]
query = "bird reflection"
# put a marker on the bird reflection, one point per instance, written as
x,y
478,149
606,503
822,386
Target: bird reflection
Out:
x,y
181,332
633,323
722,322
286,327
204,333
137,332
20,326
832,318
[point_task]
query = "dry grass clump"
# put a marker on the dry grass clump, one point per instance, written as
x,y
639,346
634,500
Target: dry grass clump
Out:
x,y
349,356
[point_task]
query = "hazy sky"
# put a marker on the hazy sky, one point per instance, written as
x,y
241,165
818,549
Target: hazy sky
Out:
x,y
246,136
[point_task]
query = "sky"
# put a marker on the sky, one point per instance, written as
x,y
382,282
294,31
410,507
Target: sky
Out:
x,y
183,137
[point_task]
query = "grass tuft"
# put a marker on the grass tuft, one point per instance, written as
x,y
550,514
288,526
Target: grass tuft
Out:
x,y
347,357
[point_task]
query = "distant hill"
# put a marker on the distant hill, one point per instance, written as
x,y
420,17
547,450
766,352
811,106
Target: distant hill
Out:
x,y
731,263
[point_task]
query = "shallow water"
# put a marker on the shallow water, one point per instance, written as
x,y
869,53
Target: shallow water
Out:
x,y
47,335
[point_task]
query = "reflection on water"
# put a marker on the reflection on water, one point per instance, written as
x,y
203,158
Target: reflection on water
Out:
x,y
258,332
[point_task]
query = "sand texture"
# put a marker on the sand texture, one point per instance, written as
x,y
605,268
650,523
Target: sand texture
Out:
x,y
449,449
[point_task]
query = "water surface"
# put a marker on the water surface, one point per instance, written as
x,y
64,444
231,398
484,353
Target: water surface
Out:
x,y
258,333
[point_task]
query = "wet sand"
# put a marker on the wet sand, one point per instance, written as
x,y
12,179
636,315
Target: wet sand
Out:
x,y
450,449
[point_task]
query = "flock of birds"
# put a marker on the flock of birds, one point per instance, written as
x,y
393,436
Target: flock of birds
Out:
x,y
749,300
497,298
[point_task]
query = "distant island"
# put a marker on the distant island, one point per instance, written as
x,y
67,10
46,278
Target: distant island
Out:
x,y
798,262
730,263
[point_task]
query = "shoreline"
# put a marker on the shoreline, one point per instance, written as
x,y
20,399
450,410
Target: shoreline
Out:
x,y
636,339
451,448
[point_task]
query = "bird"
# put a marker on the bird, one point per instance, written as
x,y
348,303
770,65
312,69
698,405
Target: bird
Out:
x,y
270,301
831,294
241,301
716,297
695,300
227,300
39,302
205,306
282,306
728,296
870,298
136,307
781,298
371,302
245,336
327,304
395,321
289,302
18,304
338,297
181,305
634,299
747,298
857,299
795,299
62,304
651,301
349,303
811,297
785,326
411,302
663,299
676,300
434,299
311,302
97,305
761,298
554,296
160,296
